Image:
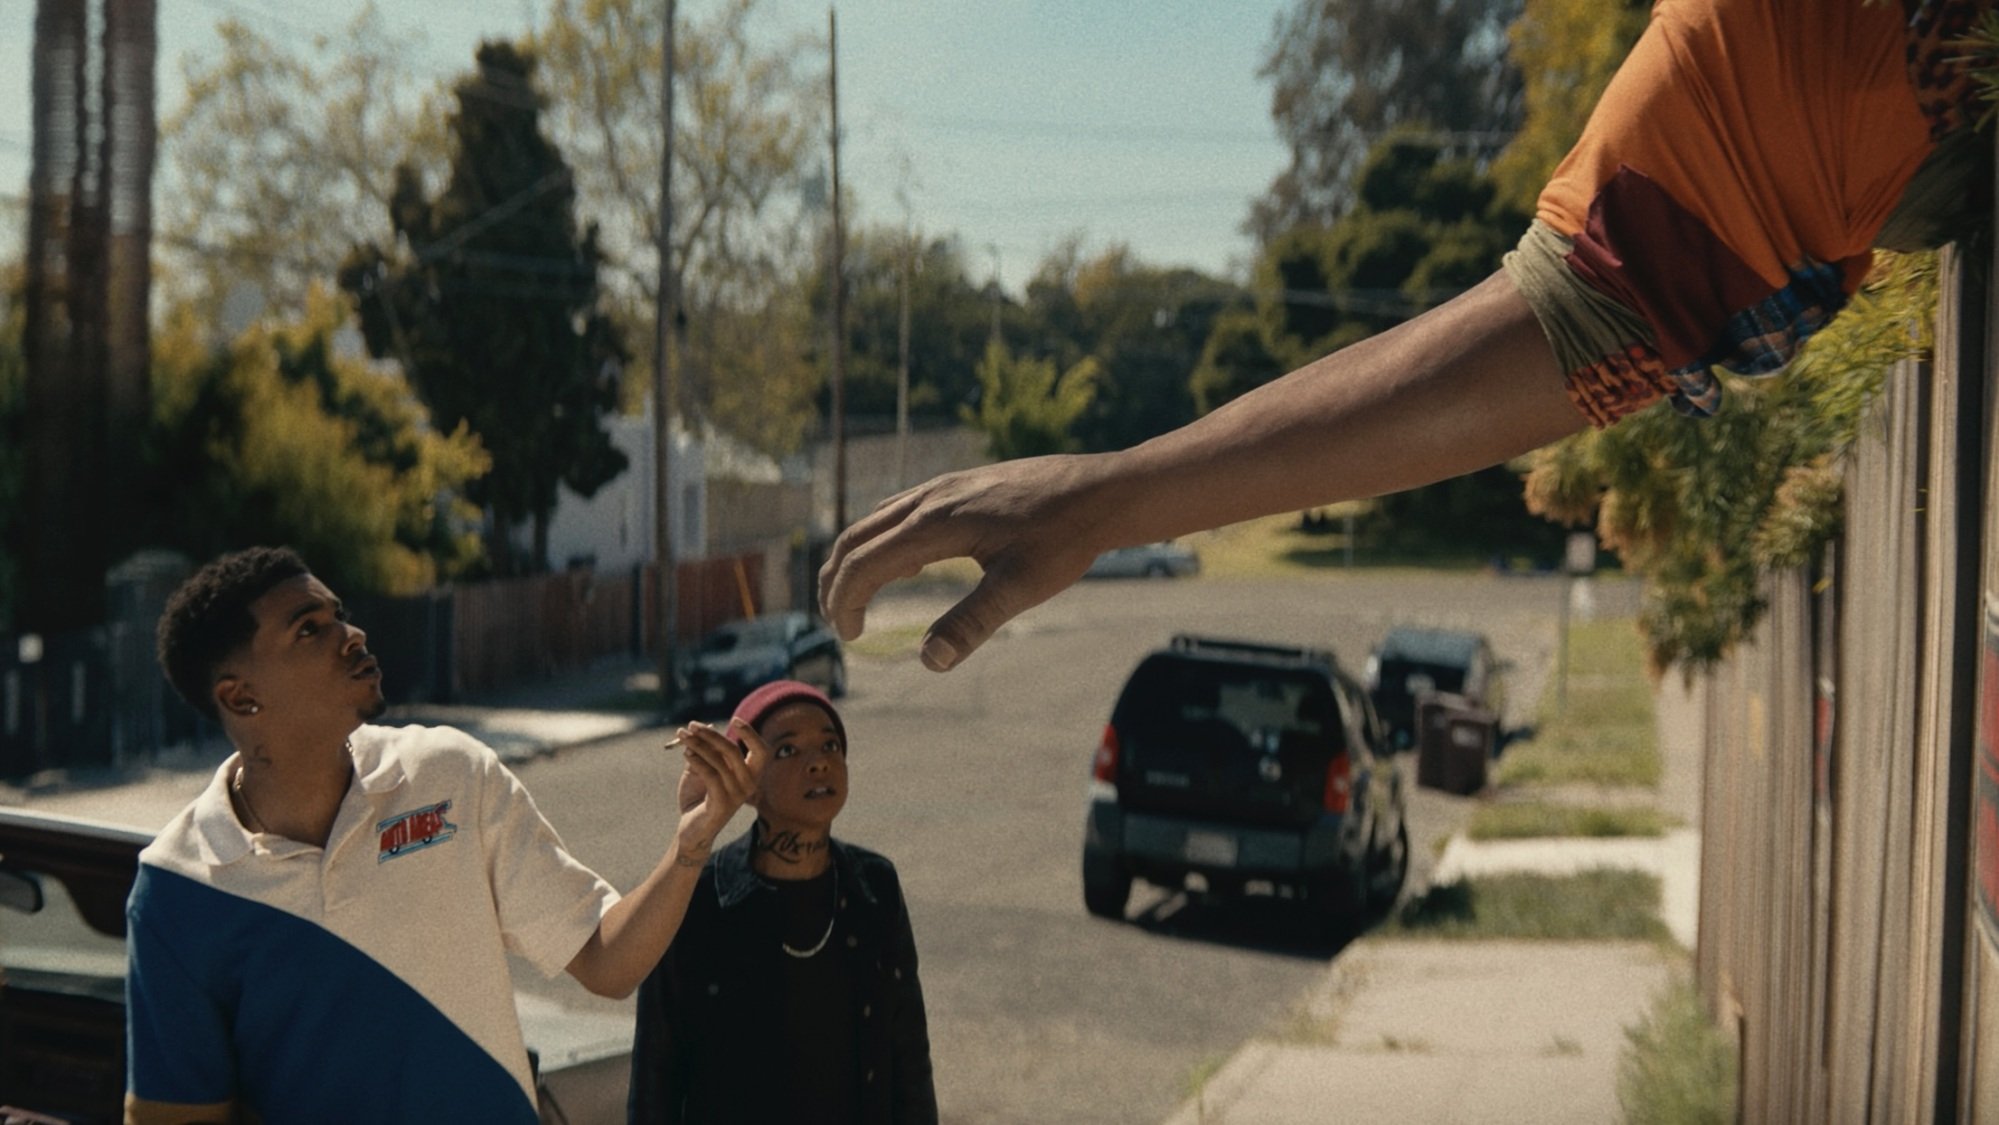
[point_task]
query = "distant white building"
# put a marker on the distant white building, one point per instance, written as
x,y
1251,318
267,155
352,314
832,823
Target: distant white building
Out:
x,y
727,498
613,530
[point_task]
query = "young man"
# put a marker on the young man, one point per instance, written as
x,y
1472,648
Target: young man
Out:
x,y
791,993
322,934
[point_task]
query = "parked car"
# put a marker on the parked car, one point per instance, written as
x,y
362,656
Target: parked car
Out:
x,y
1242,762
1148,560
1410,661
741,655
63,885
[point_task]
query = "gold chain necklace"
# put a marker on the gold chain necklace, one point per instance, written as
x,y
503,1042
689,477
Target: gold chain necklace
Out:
x,y
237,785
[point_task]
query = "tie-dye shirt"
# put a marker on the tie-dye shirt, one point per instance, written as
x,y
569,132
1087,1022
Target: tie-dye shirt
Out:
x,y
1723,201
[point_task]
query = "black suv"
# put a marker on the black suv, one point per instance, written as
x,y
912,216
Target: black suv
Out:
x,y
1242,762
1410,662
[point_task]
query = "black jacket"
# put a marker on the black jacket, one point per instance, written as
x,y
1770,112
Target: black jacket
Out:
x,y
704,1013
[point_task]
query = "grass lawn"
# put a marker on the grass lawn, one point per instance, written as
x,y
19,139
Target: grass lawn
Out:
x,y
1604,904
1606,735
1275,547
1677,1067
1535,819
1266,547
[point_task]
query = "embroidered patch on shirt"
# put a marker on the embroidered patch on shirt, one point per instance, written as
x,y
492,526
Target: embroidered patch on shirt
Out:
x,y
415,831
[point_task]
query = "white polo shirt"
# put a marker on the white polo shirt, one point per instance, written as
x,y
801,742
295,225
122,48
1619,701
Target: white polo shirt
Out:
x,y
366,980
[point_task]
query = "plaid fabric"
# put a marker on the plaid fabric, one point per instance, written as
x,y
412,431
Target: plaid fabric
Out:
x,y
1761,339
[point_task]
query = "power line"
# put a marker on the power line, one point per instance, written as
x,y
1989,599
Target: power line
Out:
x,y
1102,130
1141,199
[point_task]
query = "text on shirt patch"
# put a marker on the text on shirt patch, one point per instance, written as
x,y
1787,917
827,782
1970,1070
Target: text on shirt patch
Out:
x,y
415,831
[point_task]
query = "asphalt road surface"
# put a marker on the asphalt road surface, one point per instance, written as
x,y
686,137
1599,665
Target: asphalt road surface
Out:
x,y
973,783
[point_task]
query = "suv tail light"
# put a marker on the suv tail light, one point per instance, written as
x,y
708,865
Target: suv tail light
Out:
x,y
1339,783
1104,766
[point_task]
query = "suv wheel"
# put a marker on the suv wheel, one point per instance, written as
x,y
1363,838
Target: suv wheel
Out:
x,y
1390,870
1106,885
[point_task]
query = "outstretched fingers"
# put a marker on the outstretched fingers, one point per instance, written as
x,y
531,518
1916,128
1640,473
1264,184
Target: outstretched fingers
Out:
x,y
896,541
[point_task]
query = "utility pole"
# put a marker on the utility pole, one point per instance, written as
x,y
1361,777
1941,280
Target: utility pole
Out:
x,y
839,288
665,377
902,368
997,297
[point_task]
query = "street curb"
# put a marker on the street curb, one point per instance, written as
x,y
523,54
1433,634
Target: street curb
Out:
x,y
1227,1086
520,735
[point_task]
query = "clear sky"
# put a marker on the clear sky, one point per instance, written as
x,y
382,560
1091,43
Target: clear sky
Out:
x,y
1019,121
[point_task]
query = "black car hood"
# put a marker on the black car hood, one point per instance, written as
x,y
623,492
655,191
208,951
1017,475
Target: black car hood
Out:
x,y
737,660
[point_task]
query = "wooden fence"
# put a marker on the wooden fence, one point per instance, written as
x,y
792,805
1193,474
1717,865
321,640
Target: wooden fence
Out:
x,y
513,630
1850,838
96,697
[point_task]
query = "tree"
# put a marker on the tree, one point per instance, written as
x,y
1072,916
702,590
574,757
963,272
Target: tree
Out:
x,y
490,303
1026,409
950,322
277,437
1234,362
1567,50
1424,227
279,160
1144,326
744,143
1345,72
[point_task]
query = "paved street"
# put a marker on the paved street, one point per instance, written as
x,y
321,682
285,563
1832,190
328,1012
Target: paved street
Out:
x,y
973,784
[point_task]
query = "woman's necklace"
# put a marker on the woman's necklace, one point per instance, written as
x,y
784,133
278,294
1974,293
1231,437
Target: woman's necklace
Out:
x,y
802,954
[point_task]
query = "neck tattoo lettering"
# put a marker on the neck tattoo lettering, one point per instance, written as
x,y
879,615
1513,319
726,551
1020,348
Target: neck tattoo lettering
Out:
x,y
788,845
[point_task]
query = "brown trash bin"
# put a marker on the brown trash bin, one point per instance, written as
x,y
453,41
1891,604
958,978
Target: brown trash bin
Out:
x,y
1454,741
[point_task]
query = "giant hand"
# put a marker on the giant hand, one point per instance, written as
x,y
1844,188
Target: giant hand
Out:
x,y
1032,525
1465,385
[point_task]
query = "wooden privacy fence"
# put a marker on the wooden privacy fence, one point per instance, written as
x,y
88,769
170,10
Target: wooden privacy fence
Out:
x,y
513,630
96,697
1851,801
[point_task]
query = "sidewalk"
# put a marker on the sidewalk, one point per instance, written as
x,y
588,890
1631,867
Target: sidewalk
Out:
x,y
1461,1032
519,724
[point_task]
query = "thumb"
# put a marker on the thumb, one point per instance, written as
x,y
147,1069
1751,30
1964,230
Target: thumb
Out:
x,y
966,626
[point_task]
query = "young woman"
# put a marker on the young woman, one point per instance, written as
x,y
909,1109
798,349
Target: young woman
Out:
x,y
790,992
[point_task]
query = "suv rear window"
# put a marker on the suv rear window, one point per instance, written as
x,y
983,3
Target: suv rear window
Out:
x,y
1407,677
1264,708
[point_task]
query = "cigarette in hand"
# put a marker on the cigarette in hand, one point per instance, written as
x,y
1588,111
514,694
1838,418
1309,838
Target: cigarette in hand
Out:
x,y
673,742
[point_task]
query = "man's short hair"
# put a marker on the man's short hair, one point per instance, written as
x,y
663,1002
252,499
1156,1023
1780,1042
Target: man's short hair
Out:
x,y
208,618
